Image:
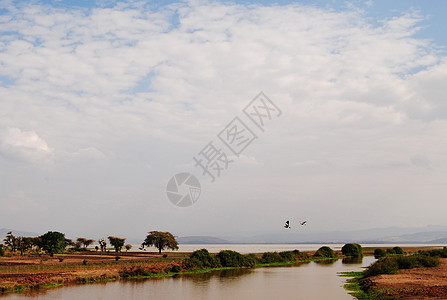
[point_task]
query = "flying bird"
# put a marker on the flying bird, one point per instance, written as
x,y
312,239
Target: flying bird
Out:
x,y
303,222
287,225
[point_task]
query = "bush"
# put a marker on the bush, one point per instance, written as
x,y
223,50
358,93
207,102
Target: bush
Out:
x,y
390,251
352,250
325,252
2,250
398,250
229,258
271,257
379,253
84,262
61,259
386,265
176,269
287,256
406,262
202,258
117,258
427,261
390,265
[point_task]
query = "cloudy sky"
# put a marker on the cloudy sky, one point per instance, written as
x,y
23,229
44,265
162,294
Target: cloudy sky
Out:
x,y
102,102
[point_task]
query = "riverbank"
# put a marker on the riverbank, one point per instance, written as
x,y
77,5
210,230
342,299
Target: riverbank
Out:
x,y
22,273
421,275
418,283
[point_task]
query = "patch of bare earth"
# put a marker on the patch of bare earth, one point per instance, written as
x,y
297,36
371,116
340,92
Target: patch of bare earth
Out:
x,y
418,283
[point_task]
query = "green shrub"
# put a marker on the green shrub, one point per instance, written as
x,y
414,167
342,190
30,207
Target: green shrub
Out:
x,y
390,251
287,256
84,262
61,259
352,250
2,250
386,265
191,263
271,257
427,261
325,252
117,258
204,258
176,269
250,260
406,262
398,250
379,253
230,258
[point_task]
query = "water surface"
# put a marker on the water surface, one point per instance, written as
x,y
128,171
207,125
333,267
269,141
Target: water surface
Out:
x,y
302,281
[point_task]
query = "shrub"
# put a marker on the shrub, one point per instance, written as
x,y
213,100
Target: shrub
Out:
x,y
61,259
325,252
427,261
287,256
379,253
271,257
406,262
176,269
386,265
165,255
84,262
250,260
191,263
229,258
117,258
2,250
203,259
352,250
390,251
398,250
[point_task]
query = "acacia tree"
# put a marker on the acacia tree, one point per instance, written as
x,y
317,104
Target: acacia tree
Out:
x,y
102,244
11,241
24,244
84,242
117,243
160,240
52,242
128,247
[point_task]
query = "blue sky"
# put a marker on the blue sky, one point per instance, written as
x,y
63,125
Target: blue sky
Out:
x,y
101,107
434,26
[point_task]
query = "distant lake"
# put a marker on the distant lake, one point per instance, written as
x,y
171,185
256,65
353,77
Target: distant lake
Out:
x,y
261,248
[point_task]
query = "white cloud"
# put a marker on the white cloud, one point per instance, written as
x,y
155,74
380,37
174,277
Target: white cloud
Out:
x,y
27,145
132,87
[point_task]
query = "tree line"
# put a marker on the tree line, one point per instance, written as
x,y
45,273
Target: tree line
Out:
x,y
54,242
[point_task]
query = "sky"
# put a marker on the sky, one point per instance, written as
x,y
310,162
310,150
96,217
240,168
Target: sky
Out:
x,y
103,102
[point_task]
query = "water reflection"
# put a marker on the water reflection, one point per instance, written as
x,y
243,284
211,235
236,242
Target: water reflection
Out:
x,y
326,262
312,280
353,260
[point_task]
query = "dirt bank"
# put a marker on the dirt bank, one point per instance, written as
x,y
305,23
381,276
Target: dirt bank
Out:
x,y
418,283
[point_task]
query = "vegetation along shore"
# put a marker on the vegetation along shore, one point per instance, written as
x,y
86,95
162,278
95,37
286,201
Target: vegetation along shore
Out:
x,y
51,260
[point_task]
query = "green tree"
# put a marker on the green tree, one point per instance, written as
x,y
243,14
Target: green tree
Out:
x,y
160,240
11,241
117,243
24,244
52,242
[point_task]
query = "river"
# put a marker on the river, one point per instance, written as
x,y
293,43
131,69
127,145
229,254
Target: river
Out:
x,y
301,281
